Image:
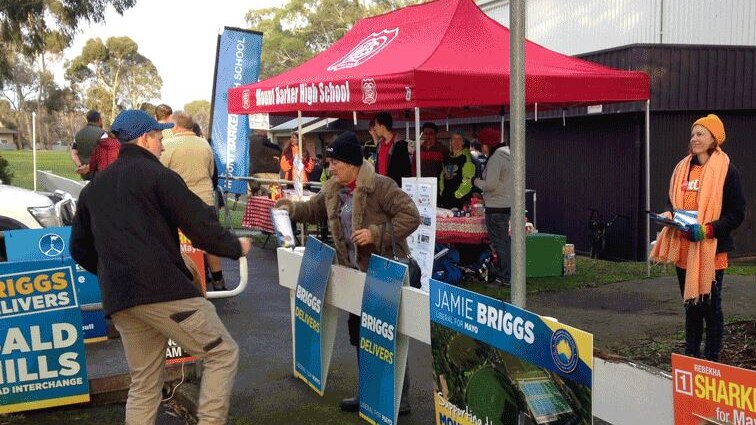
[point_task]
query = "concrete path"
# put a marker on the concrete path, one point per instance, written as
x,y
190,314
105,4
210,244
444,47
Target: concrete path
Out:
x,y
624,312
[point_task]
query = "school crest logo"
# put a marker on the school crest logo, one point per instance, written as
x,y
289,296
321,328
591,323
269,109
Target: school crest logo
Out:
x,y
369,92
564,351
365,49
245,99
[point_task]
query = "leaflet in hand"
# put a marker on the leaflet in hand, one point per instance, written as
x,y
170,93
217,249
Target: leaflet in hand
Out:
x,y
685,218
664,221
282,225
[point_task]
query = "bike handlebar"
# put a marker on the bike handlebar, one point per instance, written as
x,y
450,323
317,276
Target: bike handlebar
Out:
x,y
243,277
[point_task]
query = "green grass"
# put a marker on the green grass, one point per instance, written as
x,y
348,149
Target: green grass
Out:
x,y
592,273
741,269
58,162
236,210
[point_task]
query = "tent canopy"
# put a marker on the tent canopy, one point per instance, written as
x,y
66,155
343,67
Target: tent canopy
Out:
x,y
446,56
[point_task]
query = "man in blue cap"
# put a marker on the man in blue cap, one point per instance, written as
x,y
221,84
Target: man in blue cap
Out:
x,y
126,231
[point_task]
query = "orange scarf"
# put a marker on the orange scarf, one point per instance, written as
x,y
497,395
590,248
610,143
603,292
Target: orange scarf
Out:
x,y
700,262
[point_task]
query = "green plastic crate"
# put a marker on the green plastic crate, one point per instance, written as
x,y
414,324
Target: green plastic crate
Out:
x,y
544,254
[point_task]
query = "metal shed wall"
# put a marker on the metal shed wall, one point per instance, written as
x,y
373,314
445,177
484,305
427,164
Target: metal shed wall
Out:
x,y
591,162
690,77
577,26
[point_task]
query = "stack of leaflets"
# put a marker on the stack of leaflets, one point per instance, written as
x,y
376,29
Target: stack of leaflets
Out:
x,y
282,225
681,220
686,218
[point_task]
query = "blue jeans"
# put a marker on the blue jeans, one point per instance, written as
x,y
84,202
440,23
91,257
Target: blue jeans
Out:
x,y
497,225
707,311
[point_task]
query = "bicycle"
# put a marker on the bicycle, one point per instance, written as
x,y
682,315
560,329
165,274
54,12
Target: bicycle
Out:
x,y
599,228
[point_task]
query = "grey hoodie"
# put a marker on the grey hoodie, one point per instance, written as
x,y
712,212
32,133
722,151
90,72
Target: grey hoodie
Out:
x,y
496,181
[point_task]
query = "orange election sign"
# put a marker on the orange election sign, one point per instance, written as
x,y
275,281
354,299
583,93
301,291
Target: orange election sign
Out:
x,y
705,392
197,256
174,354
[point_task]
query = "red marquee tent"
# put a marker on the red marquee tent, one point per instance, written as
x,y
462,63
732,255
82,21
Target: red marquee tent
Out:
x,y
445,57
440,56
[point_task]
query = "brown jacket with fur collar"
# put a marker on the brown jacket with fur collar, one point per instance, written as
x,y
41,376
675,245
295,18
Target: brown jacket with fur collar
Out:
x,y
376,201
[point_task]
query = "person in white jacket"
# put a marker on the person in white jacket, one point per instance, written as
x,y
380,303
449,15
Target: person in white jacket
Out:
x,y
496,184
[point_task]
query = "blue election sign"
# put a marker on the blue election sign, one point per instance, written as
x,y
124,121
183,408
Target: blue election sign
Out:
x,y
494,362
94,326
88,288
37,244
378,340
237,62
42,362
53,243
309,351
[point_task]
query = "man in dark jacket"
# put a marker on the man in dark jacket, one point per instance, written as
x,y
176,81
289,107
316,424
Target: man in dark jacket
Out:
x,y
126,231
392,158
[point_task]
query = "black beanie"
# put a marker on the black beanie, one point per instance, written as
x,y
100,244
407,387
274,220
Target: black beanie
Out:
x,y
345,148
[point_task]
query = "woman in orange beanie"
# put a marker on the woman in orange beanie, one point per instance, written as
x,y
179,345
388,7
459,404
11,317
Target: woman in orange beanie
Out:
x,y
704,185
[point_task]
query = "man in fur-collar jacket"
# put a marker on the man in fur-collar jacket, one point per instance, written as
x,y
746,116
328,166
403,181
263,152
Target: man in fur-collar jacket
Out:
x,y
359,204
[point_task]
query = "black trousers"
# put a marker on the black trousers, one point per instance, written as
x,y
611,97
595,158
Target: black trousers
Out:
x,y
707,312
354,338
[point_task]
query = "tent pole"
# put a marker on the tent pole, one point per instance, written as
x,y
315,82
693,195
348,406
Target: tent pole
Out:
x,y
417,142
517,136
297,175
34,148
648,186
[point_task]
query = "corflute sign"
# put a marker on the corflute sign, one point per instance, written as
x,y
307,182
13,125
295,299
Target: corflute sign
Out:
x,y
495,363
42,362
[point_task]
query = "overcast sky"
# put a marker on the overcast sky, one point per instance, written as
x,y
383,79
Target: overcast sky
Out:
x,y
179,37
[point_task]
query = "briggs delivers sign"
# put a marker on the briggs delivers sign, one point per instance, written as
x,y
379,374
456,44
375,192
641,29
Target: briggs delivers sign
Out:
x,y
42,361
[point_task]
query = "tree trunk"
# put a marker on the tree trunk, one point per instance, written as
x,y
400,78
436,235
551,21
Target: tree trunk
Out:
x,y
113,94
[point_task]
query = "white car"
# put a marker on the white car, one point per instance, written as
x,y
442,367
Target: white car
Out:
x,y
26,209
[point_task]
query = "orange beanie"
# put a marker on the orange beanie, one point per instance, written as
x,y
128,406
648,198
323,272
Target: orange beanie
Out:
x,y
712,123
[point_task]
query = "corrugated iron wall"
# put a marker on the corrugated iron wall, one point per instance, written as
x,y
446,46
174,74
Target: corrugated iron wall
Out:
x,y
578,26
721,22
591,162
690,77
